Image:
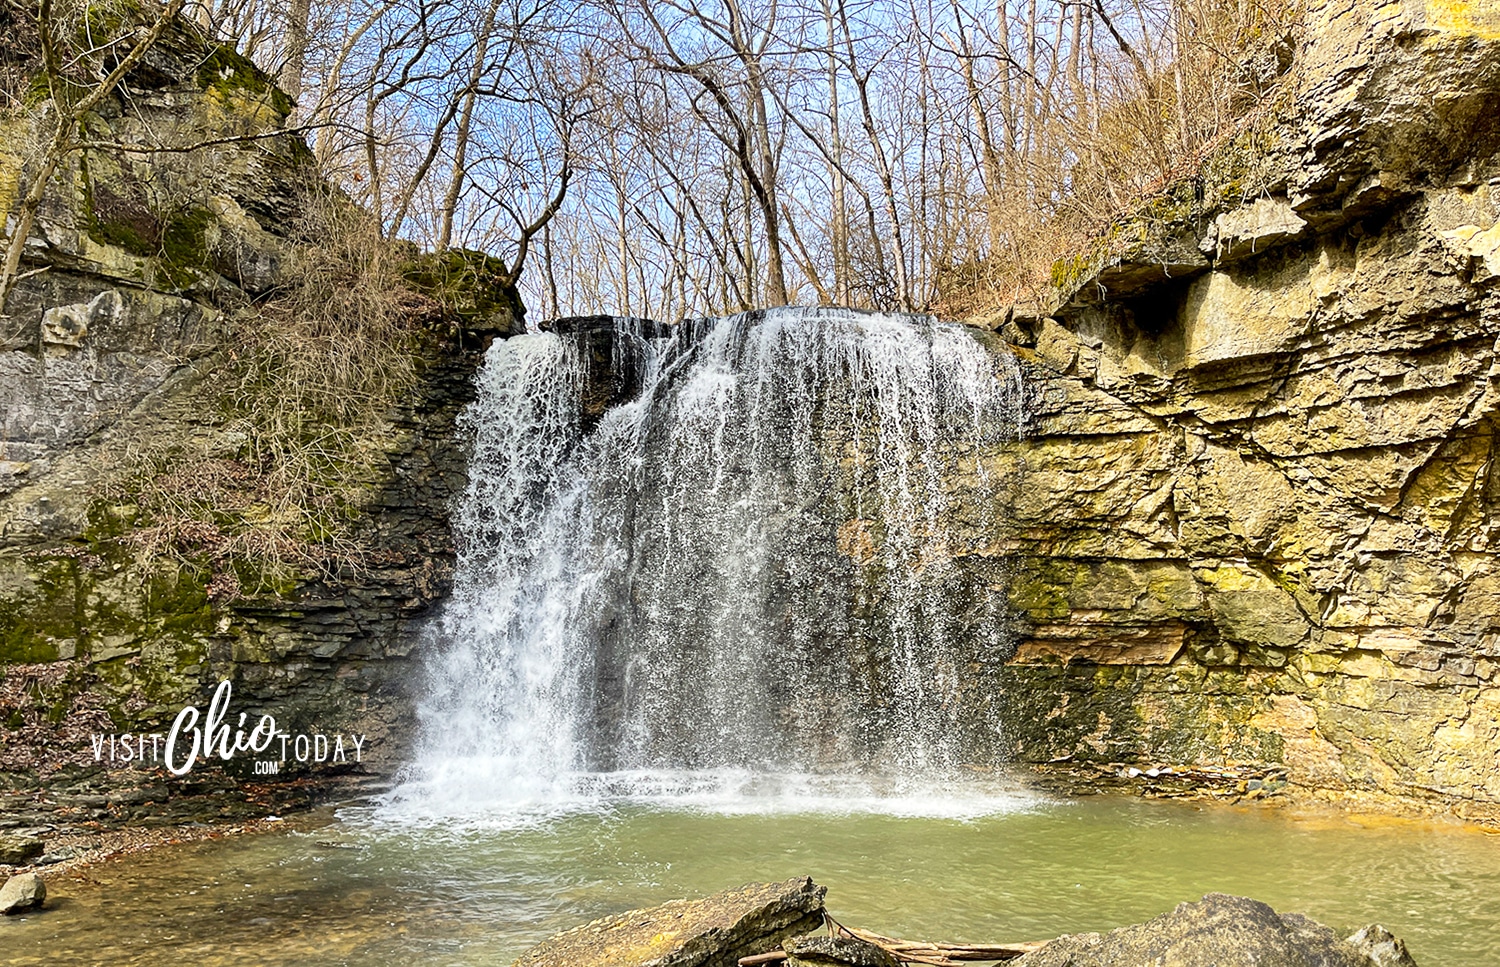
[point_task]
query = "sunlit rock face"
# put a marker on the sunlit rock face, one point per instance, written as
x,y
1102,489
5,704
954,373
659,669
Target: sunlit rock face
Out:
x,y
1256,518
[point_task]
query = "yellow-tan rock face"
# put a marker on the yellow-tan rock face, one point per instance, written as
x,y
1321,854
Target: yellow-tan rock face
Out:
x,y
1256,518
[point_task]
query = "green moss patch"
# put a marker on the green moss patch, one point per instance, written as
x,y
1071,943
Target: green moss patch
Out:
x,y
473,286
230,74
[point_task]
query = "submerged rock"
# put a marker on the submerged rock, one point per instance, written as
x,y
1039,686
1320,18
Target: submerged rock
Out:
x,y
1223,931
1381,948
712,932
835,952
22,892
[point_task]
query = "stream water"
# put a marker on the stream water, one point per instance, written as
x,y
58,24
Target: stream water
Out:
x,y
368,892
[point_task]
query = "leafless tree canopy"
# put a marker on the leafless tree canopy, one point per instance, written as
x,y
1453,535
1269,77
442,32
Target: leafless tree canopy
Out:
x,y
694,156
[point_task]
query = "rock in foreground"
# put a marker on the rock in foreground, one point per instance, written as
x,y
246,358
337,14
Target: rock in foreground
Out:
x,y
19,850
713,932
836,952
22,892
1223,931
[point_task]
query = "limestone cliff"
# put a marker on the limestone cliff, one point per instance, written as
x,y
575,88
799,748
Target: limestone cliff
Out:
x,y
1256,519
149,264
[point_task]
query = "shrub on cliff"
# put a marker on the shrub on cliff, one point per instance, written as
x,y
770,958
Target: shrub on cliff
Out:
x,y
305,392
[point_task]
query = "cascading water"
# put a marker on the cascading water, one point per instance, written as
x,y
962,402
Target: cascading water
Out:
x,y
748,568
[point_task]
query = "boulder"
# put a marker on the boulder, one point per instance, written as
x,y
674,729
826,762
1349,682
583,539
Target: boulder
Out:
x,y
715,931
835,952
22,892
19,850
1221,931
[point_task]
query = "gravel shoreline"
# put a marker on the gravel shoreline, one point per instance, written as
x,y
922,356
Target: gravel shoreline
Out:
x,y
81,849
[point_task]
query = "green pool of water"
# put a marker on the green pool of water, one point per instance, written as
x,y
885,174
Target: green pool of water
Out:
x,y
367,890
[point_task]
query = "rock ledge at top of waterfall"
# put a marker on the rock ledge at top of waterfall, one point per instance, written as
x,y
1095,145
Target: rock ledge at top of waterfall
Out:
x,y
712,932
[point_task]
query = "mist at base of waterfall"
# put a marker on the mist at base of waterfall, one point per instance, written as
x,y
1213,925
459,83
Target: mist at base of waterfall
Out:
x,y
496,801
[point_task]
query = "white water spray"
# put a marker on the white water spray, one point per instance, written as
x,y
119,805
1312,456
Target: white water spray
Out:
x,y
744,581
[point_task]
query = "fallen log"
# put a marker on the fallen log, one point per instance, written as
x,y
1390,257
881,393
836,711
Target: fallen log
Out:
x,y
935,953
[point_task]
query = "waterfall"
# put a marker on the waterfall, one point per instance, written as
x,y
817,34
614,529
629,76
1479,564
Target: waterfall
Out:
x,y
723,551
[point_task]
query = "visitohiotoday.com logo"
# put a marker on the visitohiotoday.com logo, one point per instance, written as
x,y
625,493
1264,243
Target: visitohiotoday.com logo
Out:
x,y
196,736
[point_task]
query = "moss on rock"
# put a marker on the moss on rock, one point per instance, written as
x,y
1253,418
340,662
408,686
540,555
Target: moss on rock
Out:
x,y
476,288
227,74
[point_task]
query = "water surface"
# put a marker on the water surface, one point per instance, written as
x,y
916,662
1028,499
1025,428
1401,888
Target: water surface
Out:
x,y
368,889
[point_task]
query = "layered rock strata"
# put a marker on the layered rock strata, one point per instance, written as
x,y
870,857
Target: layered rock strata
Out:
x,y
1255,519
143,268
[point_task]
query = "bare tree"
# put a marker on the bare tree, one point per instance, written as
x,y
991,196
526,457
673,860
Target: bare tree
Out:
x,y
735,111
734,153
69,105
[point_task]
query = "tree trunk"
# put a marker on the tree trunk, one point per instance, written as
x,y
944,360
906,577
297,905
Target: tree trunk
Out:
x,y
465,124
295,64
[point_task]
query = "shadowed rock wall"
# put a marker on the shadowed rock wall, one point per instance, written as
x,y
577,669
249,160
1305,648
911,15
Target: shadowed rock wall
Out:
x,y
118,347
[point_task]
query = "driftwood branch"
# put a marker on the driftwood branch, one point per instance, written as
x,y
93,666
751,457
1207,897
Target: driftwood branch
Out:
x,y
914,951
932,952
